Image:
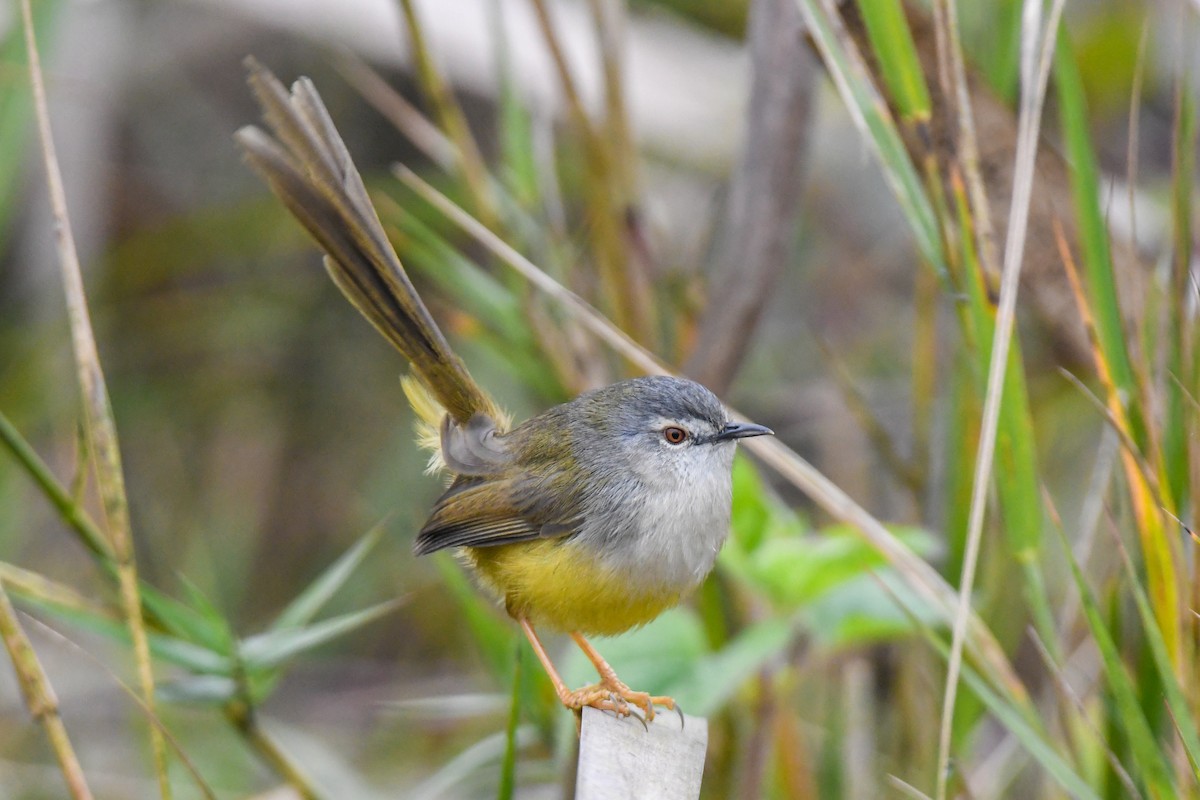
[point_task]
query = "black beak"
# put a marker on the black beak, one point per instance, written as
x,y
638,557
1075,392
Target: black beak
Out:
x,y
741,430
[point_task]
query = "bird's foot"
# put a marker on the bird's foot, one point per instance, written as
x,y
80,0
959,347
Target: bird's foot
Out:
x,y
613,695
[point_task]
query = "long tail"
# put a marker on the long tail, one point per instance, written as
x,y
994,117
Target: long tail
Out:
x,y
310,170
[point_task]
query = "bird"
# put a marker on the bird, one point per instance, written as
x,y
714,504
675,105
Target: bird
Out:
x,y
590,518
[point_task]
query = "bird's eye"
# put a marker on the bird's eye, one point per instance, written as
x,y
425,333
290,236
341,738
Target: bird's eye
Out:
x,y
675,435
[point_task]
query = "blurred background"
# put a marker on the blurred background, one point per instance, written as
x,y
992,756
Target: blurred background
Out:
x,y
689,168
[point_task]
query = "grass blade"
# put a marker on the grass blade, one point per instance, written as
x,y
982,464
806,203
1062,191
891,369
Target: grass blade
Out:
x,y
272,648
1097,255
876,125
306,604
1147,753
454,122
893,44
1177,702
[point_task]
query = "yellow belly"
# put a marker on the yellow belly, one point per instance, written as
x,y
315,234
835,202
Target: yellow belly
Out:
x,y
556,583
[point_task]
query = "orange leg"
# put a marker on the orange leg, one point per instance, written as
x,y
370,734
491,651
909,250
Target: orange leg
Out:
x,y
608,695
608,678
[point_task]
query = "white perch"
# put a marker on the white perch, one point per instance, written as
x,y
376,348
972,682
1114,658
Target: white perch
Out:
x,y
620,759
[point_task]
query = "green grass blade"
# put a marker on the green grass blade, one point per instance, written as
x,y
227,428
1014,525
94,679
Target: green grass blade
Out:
x,y
997,45
1177,701
508,765
304,608
1147,753
1093,232
1023,723
892,41
192,657
871,117
267,650
1175,430
199,624
1033,740
70,512
1016,459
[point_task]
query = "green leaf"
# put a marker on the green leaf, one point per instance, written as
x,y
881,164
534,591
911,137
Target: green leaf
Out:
x,y
193,657
866,610
272,648
201,624
795,570
753,509
201,690
310,601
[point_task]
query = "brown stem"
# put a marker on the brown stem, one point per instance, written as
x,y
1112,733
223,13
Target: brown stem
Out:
x,y
39,697
765,196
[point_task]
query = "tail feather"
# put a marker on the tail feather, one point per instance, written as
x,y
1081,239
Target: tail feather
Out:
x,y
309,168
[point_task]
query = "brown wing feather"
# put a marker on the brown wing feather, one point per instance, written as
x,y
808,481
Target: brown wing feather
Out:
x,y
483,512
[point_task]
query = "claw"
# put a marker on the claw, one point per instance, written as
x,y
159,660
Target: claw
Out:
x,y
615,696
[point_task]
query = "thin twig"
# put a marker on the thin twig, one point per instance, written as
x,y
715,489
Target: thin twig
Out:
x,y
626,292
1034,77
39,697
98,419
966,142
406,117
450,113
901,468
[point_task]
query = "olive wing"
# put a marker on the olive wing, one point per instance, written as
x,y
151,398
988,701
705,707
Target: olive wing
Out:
x,y
487,512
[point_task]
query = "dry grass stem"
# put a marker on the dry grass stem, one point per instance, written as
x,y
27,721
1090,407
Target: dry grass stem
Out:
x,y
454,122
151,718
403,115
967,143
98,419
39,697
1035,74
